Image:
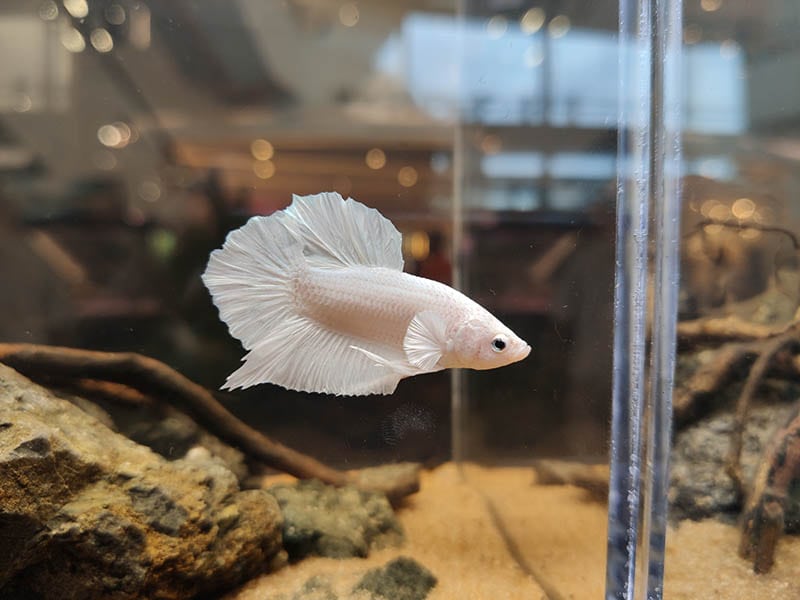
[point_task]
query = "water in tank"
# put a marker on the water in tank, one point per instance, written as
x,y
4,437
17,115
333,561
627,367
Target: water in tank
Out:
x,y
399,300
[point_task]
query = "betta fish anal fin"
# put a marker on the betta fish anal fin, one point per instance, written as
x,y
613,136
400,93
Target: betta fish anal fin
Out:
x,y
254,279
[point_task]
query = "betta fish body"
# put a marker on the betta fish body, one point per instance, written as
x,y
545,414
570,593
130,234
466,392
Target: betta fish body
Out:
x,y
317,294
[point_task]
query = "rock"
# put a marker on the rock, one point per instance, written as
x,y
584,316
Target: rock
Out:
x,y
401,579
699,486
336,522
396,480
86,513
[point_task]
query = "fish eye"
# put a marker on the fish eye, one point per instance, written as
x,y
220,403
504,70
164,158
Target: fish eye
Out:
x,y
499,343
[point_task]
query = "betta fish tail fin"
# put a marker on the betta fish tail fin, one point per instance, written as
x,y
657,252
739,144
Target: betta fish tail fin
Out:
x,y
252,280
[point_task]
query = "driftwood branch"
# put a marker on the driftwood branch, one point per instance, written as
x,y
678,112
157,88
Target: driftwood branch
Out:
x,y
758,371
157,380
752,352
728,363
763,518
725,329
741,226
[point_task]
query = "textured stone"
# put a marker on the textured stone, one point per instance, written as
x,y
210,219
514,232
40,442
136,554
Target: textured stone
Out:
x,y
336,522
401,579
699,485
86,513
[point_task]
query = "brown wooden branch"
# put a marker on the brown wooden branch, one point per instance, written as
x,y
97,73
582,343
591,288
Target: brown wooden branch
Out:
x,y
725,329
155,379
763,517
691,399
741,226
759,370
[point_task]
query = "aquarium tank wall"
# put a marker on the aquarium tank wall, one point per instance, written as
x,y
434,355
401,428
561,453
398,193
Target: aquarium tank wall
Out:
x,y
613,183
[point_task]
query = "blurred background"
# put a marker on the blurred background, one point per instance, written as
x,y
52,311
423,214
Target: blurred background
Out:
x,y
135,134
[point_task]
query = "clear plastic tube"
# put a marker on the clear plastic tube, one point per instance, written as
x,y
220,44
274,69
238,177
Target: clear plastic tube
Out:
x,y
648,209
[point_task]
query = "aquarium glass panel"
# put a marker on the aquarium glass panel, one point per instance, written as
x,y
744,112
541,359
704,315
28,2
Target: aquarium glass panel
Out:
x,y
220,378
734,460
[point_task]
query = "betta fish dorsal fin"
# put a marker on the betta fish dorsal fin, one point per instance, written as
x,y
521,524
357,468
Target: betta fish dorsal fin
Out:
x,y
425,340
337,232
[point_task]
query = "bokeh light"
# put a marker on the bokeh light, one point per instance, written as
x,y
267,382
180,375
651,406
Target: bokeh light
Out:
x,y
101,40
78,9
532,21
48,10
349,14
262,150
743,208
559,26
115,14
264,169
375,158
72,40
496,27
407,176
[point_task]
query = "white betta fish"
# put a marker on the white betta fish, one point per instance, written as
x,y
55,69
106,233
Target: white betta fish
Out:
x,y
317,294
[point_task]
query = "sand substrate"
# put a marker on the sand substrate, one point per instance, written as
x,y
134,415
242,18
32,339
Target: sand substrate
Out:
x,y
492,534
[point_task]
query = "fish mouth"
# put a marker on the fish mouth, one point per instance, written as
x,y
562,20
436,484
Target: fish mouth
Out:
x,y
523,354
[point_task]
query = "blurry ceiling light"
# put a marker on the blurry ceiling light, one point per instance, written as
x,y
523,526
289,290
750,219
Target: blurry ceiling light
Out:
x,y
349,14
418,245
491,144
115,14
713,229
764,215
533,56
264,169
407,176
77,8
710,5
23,103
532,21
743,208
559,26
706,207
101,40
124,133
72,40
261,149
375,158
692,34
109,136
116,135
496,27
48,10
719,212
149,190
728,48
